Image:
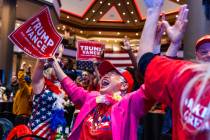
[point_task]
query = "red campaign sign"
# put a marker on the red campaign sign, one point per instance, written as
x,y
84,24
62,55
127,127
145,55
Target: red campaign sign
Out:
x,y
87,50
37,37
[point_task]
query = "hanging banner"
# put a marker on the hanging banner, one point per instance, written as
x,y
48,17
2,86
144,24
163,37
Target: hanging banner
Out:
x,y
37,37
89,50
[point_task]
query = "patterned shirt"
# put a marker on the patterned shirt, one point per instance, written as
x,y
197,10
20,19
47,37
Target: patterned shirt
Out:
x,y
41,113
97,124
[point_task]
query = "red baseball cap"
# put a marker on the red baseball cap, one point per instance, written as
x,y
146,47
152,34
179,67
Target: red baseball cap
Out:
x,y
203,40
106,67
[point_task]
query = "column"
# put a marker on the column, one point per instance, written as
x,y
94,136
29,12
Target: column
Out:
x,y
198,26
6,48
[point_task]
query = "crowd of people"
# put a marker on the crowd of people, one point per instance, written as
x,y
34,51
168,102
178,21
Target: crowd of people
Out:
x,y
110,104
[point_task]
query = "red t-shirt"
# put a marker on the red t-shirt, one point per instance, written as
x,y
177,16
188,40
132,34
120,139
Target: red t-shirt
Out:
x,y
163,84
97,125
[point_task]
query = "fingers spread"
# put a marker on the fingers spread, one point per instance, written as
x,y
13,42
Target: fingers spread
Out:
x,y
185,15
182,13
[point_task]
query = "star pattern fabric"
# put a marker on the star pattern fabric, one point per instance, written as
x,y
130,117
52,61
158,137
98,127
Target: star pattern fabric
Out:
x,y
85,65
41,114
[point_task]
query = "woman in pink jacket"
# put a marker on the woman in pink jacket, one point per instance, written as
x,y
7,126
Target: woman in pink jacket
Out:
x,y
109,114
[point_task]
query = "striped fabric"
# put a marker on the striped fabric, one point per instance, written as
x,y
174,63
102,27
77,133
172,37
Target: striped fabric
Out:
x,y
42,130
41,114
118,59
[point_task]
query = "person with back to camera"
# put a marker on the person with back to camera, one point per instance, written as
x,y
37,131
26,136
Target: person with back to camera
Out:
x,y
47,118
181,84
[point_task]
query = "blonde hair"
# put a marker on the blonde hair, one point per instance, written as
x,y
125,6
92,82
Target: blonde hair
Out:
x,y
202,76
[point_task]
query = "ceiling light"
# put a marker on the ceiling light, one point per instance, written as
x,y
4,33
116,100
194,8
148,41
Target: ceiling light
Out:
x,y
119,4
123,13
67,17
109,3
58,28
177,0
101,12
81,32
93,11
101,2
137,34
118,33
136,20
99,32
128,21
131,12
94,20
87,18
128,3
